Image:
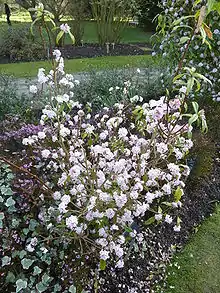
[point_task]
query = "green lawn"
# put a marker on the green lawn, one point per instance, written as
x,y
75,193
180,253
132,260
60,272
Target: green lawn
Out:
x,y
130,35
199,262
29,69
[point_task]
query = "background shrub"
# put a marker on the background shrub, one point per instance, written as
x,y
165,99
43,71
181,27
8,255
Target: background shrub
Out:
x,y
14,102
147,12
148,83
17,43
205,58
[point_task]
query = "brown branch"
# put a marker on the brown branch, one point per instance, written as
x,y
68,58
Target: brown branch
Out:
x,y
27,172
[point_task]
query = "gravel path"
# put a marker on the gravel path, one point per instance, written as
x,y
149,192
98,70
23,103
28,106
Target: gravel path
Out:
x,y
22,84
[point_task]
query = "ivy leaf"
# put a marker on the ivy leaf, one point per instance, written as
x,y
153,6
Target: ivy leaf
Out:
x,y
6,191
22,253
46,279
26,263
10,277
6,261
72,289
37,270
10,202
41,287
57,288
33,224
2,216
20,284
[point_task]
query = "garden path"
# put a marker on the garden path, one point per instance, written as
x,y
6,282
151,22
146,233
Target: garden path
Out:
x,y
22,84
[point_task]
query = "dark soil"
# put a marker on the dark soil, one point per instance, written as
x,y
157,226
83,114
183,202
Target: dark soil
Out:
x,y
88,51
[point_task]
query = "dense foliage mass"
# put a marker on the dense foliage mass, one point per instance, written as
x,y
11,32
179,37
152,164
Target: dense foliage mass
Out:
x,y
88,183
98,177
178,29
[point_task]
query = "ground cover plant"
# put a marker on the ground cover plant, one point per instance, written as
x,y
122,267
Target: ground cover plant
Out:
x,y
95,194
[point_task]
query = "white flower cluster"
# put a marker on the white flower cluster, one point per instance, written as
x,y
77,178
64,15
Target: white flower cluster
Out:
x,y
112,169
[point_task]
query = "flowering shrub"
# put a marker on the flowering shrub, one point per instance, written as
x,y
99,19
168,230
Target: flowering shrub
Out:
x,y
95,180
177,27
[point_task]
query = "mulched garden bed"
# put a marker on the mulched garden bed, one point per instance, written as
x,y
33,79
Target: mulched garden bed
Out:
x,y
89,51
142,273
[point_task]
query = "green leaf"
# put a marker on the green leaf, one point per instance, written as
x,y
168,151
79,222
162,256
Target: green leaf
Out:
x,y
26,263
72,289
59,36
210,5
178,194
22,253
20,284
166,203
197,2
195,107
25,231
2,216
198,85
178,221
160,210
6,260
203,34
193,119
128,229
57,288
190,84
150,221
102,264
178,21
15,223
72,37
198,75
33,224
37,270
183,40
181,26
10,277
46,279
178,77
216,7
41,287
10,202
6,191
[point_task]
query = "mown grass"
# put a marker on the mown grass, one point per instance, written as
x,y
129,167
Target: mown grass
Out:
x,y
29,69
199,263
130,34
